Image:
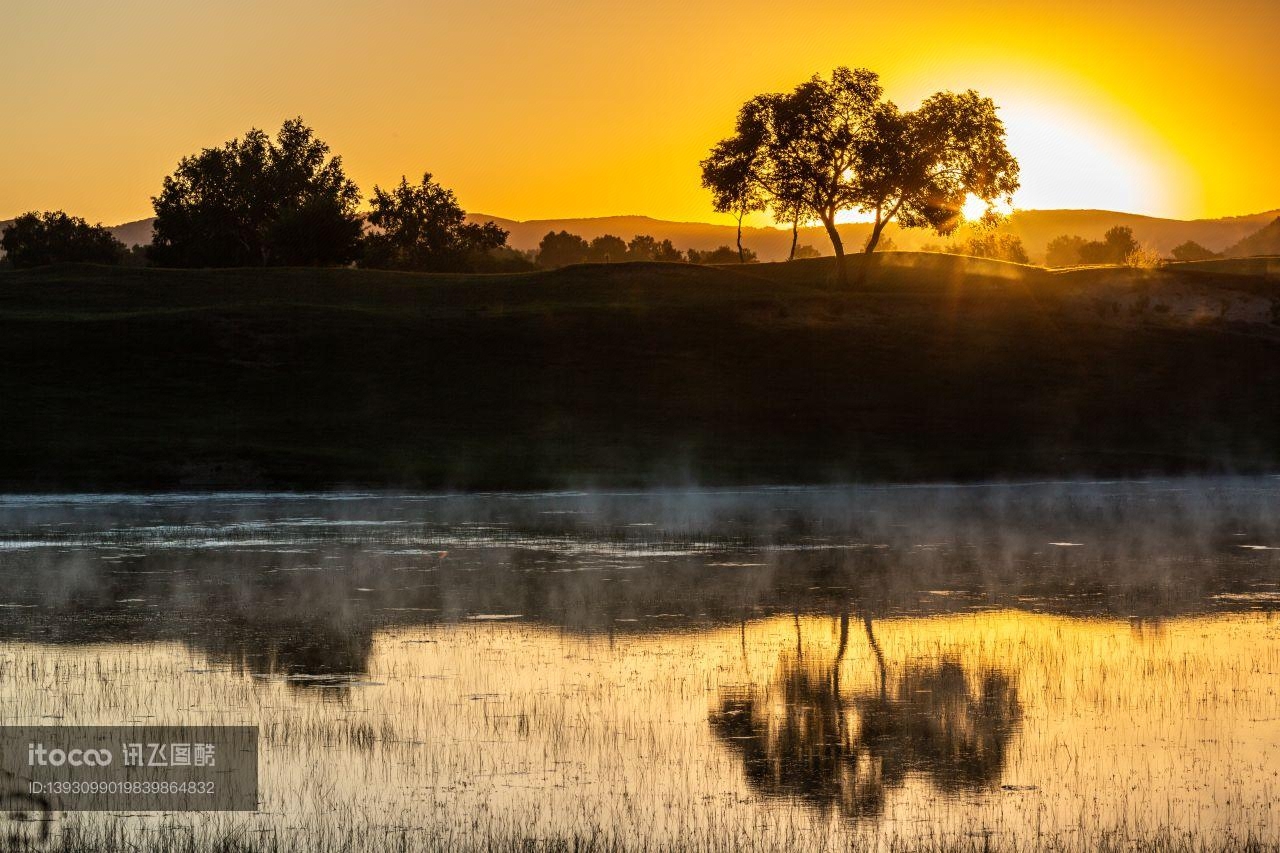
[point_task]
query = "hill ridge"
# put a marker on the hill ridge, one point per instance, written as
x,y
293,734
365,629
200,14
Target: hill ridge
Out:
x,y
1035,227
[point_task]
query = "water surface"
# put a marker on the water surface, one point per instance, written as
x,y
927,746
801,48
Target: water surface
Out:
x,y
1002,666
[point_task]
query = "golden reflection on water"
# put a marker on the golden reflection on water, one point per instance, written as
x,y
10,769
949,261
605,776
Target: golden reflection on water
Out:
x,y
785,732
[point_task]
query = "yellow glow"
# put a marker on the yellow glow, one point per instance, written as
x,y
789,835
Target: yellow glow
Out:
x,y
547,729
536,109
1069,151
974,208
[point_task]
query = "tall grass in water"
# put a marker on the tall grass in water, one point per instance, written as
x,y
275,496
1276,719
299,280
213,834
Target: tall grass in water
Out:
x,y
510,736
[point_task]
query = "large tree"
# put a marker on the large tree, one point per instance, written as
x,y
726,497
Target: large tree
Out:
x,y
1192,251
560,249
256,201
607,249
35,239
919,167
422,227
831,146
1064,250
1114,247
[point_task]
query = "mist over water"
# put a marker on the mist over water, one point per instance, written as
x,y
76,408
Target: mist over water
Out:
x,y
1026,664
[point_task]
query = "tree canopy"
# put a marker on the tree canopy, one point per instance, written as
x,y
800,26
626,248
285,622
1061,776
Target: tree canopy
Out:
x,y
1000,247
35,239
1064,251
1192,251
560,249
645,248
1115,247
422,227
256,201
722,255
834,145
734,172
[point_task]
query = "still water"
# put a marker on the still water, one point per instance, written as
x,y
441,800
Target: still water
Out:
x,y
997,667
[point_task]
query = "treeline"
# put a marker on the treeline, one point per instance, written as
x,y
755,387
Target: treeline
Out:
x,y
35,239
560,249
990,244
287,201
1117,247
259,201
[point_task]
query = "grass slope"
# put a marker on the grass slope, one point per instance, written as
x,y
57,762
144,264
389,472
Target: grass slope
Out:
x,y
927,367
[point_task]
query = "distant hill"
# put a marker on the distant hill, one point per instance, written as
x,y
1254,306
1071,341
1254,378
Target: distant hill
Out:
x,y
130,233
134,233
1263,242
1038,227
1035,227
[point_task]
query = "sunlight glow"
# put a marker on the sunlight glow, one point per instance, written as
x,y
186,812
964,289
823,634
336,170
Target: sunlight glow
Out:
x,y
1069,153
1098,116
973,208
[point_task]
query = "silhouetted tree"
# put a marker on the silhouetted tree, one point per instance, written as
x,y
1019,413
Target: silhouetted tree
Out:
x,y
646,248
1065,251
919,167
808,144
256,202
505,259
560,249
35,239
1192,251
1000,247
805,251
667,252
833,145
1115,247
642,248
722,255
136,256
607,248
733,174
422,227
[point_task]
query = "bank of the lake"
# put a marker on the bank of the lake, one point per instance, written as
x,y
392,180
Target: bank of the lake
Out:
x,y
922,368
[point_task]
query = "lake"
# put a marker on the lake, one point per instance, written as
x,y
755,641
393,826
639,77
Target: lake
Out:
x,y
1048,666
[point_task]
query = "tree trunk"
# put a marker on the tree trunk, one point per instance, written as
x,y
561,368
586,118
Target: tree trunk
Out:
x,y
875,236
875,648
838,245
840,650
795,235
742,257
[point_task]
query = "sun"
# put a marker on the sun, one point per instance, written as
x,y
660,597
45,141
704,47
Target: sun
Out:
x,y
1089,155
973,208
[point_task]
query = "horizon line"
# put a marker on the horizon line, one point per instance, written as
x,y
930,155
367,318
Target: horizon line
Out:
x,y
781,226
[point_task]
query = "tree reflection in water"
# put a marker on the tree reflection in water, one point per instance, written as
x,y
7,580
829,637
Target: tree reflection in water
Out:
x,y
805,737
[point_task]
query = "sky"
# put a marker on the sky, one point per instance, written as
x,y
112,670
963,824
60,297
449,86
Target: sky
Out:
x,y
533,110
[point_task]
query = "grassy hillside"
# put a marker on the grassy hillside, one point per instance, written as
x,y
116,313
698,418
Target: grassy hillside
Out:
x,y
1265,241
927,367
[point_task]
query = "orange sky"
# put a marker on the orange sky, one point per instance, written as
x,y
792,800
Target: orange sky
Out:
x,y
549,109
